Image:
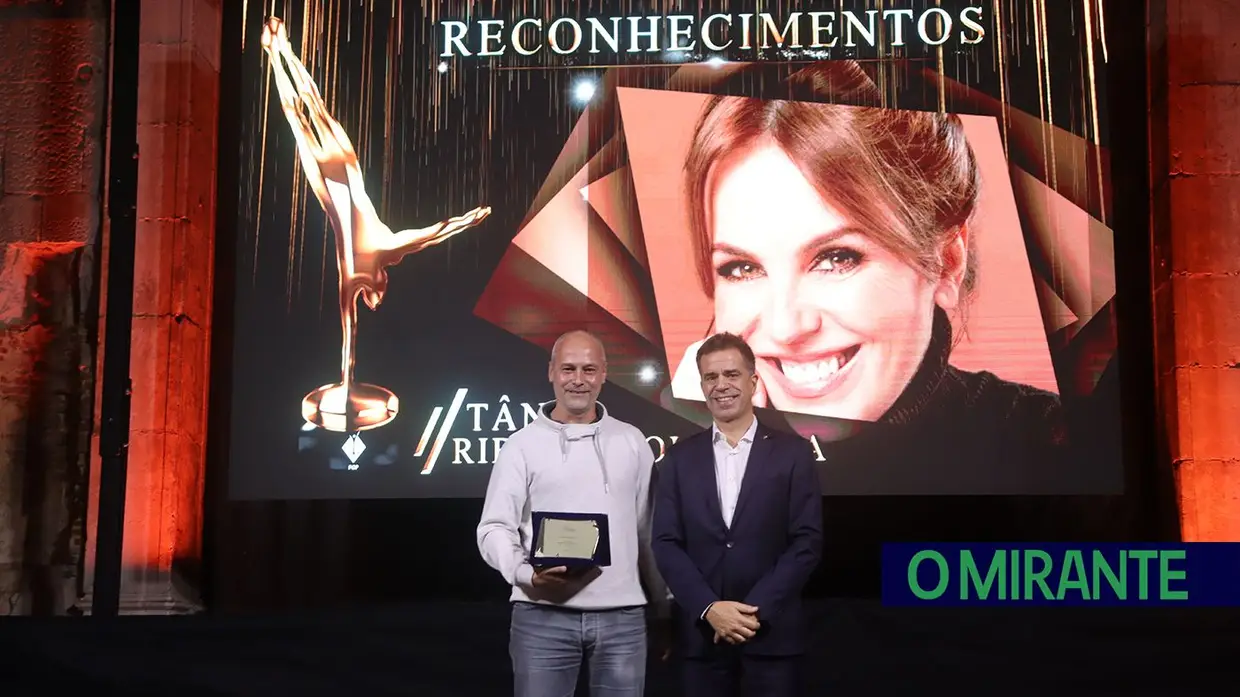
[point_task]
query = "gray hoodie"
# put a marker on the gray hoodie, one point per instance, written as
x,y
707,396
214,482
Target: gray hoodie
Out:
x,y
602,467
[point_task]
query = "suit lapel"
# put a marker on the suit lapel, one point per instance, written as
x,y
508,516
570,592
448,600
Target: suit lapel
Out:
x,y
710,482
758,455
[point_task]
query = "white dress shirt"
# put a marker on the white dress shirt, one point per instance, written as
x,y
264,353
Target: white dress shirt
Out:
x,y
730,464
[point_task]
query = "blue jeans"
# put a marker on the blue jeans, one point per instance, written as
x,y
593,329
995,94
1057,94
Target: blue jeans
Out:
x,y
548,644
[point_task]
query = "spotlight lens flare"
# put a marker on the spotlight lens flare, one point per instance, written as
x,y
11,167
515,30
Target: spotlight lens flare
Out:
x,y
648,374
583,90
443,67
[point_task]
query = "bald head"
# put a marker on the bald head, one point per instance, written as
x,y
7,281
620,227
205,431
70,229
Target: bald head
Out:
x,y
577,372
578,338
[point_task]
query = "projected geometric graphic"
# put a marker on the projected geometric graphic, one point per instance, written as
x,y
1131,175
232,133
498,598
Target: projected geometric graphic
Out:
x,y
593,249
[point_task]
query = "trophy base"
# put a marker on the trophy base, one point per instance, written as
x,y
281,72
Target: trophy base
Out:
x,y
360,407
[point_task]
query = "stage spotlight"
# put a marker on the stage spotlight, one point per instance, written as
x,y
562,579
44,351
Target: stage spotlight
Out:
x,y
648,374
583,91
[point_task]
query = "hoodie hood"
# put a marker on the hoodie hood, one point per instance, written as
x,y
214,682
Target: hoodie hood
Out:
x,y
572,433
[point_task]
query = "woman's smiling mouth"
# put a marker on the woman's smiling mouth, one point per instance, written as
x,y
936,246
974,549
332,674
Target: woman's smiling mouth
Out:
x,y
812,377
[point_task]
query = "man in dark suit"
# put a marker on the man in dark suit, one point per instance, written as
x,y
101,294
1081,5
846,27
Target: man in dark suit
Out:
x,y
737,533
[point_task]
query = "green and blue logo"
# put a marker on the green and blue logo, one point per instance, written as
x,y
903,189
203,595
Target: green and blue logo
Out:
x,y
1061,574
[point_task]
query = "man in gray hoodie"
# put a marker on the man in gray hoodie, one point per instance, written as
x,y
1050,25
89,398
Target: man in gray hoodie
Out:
x,y
575,457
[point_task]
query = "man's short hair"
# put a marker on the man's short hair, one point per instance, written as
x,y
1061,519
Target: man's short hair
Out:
x,y
724,341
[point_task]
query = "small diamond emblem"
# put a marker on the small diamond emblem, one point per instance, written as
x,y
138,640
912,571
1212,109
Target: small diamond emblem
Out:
x,y
353,448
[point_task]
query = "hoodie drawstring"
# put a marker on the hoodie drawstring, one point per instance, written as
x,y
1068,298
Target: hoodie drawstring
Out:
x,y
595,435
598,450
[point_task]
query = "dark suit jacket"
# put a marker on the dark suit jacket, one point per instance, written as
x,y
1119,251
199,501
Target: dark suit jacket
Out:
x,y
773,546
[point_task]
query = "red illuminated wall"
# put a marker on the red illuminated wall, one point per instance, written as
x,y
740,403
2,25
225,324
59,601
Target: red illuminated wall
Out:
x,y
53,78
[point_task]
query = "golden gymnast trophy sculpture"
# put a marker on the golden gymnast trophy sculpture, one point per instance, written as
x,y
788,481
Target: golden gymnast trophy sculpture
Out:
x,y
365,247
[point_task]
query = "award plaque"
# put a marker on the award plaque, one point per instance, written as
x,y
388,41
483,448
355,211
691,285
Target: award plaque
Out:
x,y
573,540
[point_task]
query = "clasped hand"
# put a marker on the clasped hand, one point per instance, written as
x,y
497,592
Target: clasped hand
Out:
x,y
733,622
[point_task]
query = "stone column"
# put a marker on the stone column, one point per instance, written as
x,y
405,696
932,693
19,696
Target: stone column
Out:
x,y
1195,162
178,105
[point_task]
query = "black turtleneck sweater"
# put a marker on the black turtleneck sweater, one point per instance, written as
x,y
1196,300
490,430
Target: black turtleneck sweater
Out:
x,y
954,432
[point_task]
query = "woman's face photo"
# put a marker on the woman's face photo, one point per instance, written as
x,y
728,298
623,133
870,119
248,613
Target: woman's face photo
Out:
x,y
838,323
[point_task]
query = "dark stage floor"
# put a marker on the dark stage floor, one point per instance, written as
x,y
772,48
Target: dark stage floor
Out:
x,y
460,650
